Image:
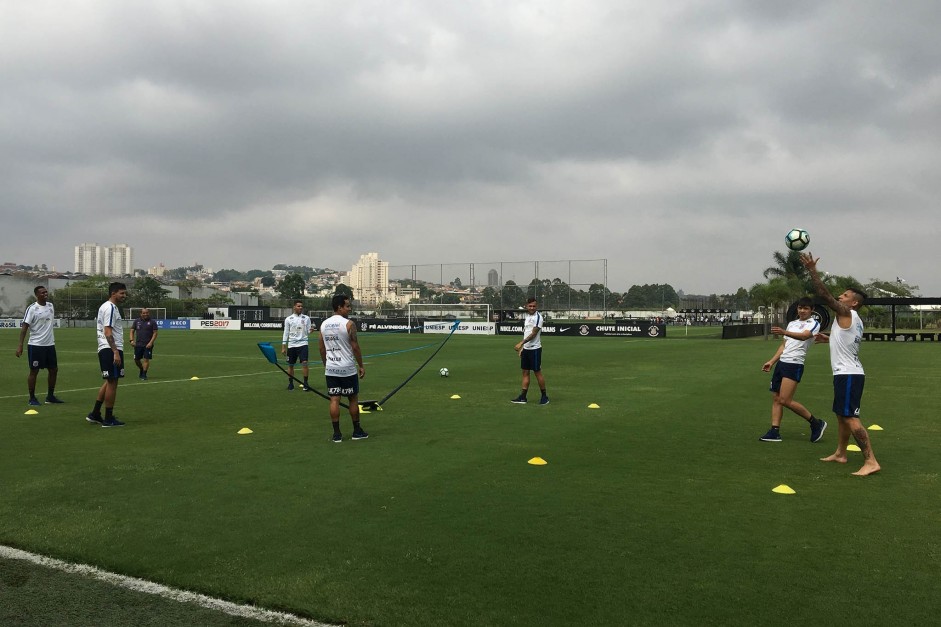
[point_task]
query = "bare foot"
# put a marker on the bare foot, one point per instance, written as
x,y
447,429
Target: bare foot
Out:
x,y
836,457
868,469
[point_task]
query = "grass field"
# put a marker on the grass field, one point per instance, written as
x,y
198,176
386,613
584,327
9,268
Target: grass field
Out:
x,y
655,509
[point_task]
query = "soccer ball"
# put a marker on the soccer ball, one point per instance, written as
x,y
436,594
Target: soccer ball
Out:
x,y
444,372
797,239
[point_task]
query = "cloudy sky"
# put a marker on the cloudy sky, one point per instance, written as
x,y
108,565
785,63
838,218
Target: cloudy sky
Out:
x,y
679,140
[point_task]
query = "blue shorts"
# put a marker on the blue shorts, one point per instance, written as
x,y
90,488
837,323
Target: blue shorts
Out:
x,y
106,361
784,370
848,394
142,352
531,359
298,353
41,357
343,386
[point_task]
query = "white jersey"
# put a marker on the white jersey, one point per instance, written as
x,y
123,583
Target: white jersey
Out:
x,y
795,351
41,319
340,362
296,330
531,322
110,316
844,346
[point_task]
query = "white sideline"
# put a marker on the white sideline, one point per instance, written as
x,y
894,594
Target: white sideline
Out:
x,y
148,587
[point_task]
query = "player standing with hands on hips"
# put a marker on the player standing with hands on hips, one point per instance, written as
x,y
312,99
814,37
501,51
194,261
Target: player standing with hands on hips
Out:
x,y
143,336
788,364
343,361
530,352
41,351
845,337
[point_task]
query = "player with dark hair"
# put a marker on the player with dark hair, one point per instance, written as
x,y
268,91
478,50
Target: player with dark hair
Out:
x,y
846,335
788,364
41,350
530,352
110,355
143,336
295,343
343,364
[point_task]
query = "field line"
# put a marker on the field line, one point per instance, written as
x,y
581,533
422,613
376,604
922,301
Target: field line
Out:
x,y
149,587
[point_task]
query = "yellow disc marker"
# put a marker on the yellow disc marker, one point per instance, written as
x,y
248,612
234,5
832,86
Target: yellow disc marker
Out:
x,y
455,396
245,431
194,378
30,412
363,410
784,489
537,461
875,428
853,447
594,406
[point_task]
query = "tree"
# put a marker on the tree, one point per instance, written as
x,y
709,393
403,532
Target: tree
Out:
x,y
147,292
291,287
512,295
268,281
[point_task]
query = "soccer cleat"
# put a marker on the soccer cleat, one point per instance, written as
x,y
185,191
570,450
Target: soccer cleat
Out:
x,y
337,438
305,388
143,376
112,422
360,435
291,385
95,420
772,436
544,400
52,399
519,400
817,428
34,401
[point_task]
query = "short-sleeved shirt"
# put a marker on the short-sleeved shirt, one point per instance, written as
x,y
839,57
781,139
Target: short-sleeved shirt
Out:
x,y
530,322
296,330
144,331
41,319
109,316
795,351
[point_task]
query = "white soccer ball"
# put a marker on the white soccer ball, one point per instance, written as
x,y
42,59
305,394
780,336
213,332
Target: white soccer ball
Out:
x,y
797,239
444,372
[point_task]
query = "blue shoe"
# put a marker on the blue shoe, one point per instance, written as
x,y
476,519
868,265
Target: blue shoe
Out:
x,y
112,422
95,420
337,438
143,376
52,399
773,435
544,400
34,401
817,428
360,435
519,400
291,385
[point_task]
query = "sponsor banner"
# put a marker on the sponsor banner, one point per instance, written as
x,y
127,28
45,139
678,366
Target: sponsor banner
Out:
x,y
390,324
622,328
216,325
173,324
14,323
463,328
268,325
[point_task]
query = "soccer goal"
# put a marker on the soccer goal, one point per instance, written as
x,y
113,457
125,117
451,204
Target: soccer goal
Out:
x,y
465,312
156,313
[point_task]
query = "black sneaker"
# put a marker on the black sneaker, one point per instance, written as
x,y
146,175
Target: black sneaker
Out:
x,y
520,400
95,420
52,399
544,400
817,428
291,385
360,435
112,422
337,438
34,401
773,435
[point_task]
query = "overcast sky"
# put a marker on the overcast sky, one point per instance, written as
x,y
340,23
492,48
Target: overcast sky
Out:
x,y
678,140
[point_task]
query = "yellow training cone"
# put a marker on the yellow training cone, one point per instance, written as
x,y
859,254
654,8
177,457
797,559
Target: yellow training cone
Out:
x,y
594,406
245,431
363,410
537,461
194,378
455,396
30,412
875,428
853,447
784,489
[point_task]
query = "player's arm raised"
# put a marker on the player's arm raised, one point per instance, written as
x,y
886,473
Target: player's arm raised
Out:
x,y
811,264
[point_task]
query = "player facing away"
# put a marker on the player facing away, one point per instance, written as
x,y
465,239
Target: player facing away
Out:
x,y
788,364
295,343
41,350
846,335
530,352
343,364
143,336
110,355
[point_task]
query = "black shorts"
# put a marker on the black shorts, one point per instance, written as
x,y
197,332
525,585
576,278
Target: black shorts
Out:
x,y
106,361
298,353
848,394
343,386
142,352
41,357
785,370
531,359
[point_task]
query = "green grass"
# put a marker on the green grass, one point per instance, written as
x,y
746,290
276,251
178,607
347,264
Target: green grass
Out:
x,y
654,509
